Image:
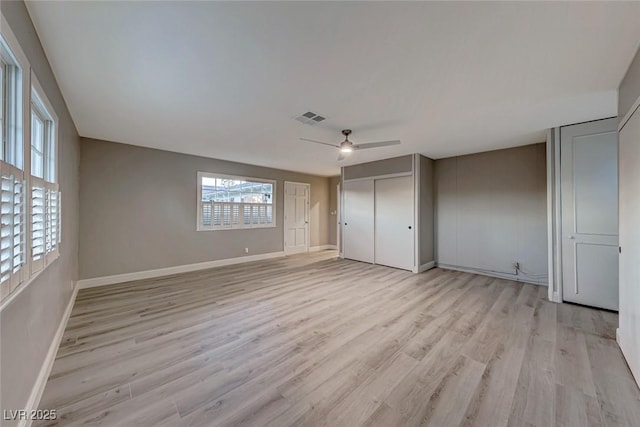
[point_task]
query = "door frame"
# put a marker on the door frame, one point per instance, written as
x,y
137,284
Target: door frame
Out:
x,y
338,221
554,212
284,217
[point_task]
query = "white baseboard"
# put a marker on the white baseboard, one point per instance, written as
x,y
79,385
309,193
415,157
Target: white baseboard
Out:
x,y
426,266
322,248
45,370
296,251
150,274
633,367
498,275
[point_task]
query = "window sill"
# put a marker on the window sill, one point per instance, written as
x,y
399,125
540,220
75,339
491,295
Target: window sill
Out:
x,y
236,228
24,285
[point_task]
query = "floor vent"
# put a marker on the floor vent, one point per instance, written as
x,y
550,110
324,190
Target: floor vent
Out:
x,y
310,118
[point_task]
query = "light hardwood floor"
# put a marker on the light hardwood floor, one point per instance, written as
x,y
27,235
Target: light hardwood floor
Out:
x,y
312,340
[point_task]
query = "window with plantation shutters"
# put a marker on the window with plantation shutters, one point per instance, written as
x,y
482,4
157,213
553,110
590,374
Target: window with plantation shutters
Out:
x,y
12,228
30,199
44,193
13,190
230,202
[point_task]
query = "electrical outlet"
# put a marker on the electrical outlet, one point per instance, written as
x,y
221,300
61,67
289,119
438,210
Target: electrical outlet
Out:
x,y
246,250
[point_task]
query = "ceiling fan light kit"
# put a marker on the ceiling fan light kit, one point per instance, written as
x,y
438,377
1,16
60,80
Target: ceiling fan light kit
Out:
x,y
346,146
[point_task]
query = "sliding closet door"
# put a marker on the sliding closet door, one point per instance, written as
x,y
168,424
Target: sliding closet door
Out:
x,y
394,234
358,220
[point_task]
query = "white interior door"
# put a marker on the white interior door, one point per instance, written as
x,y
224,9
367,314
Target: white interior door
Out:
x,y
394,233
589,188
357,220
296,217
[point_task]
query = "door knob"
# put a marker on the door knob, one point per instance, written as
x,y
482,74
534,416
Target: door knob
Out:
x,y
409,227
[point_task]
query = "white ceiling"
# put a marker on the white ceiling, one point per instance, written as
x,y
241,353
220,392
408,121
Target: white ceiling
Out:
x,y
224,80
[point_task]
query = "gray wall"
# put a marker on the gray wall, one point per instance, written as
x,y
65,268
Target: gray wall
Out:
x,y
427,214
138,210
629,89
379,167
491,210
29,322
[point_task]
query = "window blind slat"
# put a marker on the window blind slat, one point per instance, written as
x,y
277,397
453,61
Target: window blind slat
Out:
x,y
38,232
218,215
12,225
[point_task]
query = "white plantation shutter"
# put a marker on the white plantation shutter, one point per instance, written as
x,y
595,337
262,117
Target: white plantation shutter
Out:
x,y
12,228
54,203
221,215
51,221
38,220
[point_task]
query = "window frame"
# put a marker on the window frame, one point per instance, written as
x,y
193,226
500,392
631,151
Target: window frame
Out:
x,y
44,109
13,146
15,91
243,226
15,161
39,103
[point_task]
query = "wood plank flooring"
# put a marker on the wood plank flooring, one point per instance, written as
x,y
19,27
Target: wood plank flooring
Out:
x,y
312,340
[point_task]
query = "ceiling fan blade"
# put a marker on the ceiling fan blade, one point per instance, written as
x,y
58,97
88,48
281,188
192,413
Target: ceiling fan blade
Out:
x,y
375,144
342,155
319,142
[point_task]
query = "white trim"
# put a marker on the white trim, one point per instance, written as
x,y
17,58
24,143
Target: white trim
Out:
x,y
557,218
496,274
323,248
416,213
284,218
14,45
627,116
374,177
45,370
338,210
341,214
297,251
205,174
426,266
550,223
632,367
150,274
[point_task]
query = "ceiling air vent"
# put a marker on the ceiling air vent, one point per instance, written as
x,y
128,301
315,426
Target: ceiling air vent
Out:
x,y
310,118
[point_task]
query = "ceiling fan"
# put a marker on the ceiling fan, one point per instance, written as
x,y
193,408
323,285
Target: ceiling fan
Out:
x,y
346,146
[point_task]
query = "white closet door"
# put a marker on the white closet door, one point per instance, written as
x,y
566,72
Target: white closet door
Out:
x,y
589,180
394,234
357,224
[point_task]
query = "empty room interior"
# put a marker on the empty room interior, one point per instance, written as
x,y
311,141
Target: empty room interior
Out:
x,y
332,214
